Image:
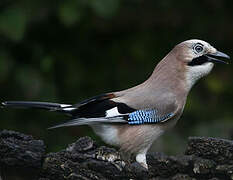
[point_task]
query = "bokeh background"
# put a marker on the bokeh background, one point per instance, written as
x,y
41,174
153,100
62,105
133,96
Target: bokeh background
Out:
x,y
66,51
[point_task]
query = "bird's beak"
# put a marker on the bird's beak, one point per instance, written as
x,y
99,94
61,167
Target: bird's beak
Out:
x,y
212,57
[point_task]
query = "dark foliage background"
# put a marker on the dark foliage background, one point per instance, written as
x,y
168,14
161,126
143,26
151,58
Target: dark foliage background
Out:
x,y
66,51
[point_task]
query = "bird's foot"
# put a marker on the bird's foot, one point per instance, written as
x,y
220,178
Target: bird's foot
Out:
x,y
141,159
144,165
139,167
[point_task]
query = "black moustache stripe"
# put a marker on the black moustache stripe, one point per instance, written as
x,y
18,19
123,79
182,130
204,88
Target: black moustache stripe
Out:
x,y
198,61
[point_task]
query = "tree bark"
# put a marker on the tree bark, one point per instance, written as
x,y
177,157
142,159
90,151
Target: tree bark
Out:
x,y
22,157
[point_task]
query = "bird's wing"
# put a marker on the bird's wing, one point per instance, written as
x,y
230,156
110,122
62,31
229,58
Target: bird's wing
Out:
x,y
97,106
135,118
102,109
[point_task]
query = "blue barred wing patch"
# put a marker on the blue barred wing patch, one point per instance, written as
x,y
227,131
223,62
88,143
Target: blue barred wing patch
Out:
x,y
147,116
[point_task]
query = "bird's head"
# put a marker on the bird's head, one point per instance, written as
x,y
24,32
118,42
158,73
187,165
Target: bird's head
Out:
x,y
198,58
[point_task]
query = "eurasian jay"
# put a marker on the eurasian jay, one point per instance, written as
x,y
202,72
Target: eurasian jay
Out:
x,y
132,119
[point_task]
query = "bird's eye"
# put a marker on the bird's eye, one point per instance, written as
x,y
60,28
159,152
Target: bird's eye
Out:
x,y
198,48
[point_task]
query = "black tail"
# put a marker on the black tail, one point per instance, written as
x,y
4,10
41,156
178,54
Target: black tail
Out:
x,y
37,105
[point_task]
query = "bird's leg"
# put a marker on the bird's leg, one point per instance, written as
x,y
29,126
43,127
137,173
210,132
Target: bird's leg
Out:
x,y
141,159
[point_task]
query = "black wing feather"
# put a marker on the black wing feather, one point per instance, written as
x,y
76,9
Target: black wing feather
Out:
x,y
97,106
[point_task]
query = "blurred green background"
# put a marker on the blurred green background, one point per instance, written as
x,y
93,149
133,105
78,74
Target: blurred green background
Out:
x,y
66,51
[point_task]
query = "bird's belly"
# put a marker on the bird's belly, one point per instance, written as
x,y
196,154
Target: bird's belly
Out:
x,y
130,138
137,138
108,133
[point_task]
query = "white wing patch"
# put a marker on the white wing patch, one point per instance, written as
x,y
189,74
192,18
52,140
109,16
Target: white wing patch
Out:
x,y
112,112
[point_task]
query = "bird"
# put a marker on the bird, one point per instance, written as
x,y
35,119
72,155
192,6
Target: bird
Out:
x,y
134,118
